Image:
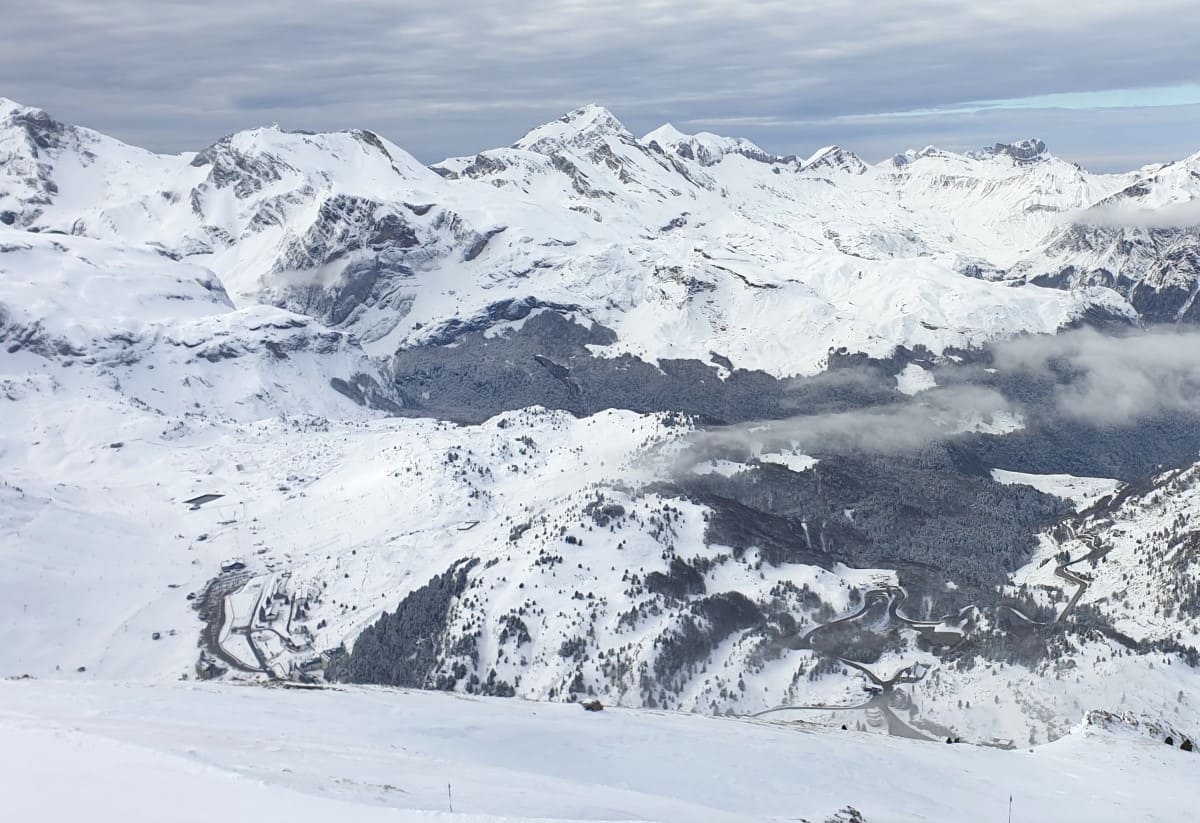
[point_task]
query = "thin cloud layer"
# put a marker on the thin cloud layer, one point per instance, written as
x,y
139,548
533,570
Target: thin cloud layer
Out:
x,y
901,427
454,77
1121,379
1100,380
1185,214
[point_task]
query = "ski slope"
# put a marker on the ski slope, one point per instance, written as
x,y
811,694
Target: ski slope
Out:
x,y
190,752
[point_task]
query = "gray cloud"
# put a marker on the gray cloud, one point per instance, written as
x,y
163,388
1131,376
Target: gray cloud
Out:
x,y
1123,214
452,77
902,427
1100,380
1119,379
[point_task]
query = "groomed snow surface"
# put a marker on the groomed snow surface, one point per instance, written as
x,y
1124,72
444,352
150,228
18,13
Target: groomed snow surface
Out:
x,y
182,752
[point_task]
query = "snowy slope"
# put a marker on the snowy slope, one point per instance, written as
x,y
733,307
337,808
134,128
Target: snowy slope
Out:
x,y
132,384
1082,491
78,314
576,587
129,752
1145,575
1142,241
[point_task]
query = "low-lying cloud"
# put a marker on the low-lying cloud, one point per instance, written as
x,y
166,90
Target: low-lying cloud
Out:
x,y
1180,215
1098,380
1117,380
934,415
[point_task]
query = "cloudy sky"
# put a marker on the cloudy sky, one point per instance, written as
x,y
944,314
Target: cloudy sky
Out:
x,y
1110,84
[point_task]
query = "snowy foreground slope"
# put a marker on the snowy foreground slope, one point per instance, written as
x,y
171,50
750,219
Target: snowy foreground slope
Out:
x,y
145,753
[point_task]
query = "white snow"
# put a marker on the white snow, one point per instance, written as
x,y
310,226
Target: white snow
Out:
x,y
681,256
913,379
727,468
1082,491
1145,573
790,460
147,753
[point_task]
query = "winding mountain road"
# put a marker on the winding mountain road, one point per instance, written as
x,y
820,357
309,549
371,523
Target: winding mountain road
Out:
x,y
1063,571
895,597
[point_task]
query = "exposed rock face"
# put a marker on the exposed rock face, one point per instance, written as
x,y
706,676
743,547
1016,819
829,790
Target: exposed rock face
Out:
x,y
1099,721
245,173
1022,151
835,159
1156,269
30,139
847,815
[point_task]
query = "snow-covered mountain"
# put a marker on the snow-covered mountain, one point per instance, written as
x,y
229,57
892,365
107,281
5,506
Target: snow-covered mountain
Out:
x,y
667,421
76,313
683,245
1140,241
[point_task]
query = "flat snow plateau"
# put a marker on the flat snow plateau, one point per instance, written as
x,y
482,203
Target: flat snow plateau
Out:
x,y
130,752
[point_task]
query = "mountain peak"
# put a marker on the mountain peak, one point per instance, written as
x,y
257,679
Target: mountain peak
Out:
x,y
665,135
8,106
593,115
1021,151
35,130
835,158
27,116
704,147
581,125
